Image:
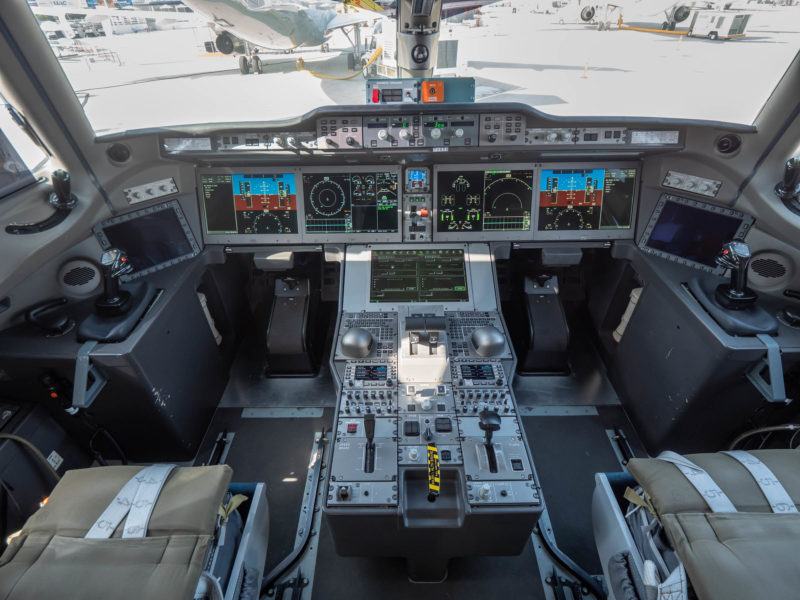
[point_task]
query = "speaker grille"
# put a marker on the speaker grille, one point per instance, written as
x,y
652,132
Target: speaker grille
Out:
x,y
769,270
769,267
79,276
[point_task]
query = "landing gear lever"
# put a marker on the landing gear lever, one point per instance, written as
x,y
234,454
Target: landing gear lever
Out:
x,y
114,302
735,256
489,423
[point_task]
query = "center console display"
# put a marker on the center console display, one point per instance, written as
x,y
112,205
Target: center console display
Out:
x,y
493,202
477,372
596,202
255,203
350,202
371,372
418,276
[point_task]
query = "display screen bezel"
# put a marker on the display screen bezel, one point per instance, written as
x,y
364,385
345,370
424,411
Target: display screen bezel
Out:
x,y
478,236
171,205
595,234
460,301
395,236
741,232
255,238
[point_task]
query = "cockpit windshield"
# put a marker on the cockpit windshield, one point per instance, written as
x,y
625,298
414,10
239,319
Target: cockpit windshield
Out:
x,y
148,64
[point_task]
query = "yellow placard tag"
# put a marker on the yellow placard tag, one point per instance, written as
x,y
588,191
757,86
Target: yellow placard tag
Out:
x,y
433,472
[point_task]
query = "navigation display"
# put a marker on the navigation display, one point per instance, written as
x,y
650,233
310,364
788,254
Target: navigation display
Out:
x,y
359,202
258,203
497,200
589,199
418,276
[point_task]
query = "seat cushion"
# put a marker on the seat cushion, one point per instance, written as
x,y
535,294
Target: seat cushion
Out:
x,y
671,493
738,556
188,502
51,559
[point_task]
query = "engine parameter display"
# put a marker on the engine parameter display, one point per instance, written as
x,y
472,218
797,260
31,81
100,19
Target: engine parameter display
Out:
x,y
371,372
239,203
418,276
484,200
477,372
363,202
586,199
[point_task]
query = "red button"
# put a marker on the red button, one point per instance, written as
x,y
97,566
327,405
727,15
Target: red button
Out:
x,y
423,212
352,427
376,96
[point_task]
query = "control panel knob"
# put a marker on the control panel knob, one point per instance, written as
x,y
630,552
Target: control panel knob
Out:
x,y
276,141
426,404
459,132
484,491
405,134
291,142
436,133
383,135
357,342
413,454
492,138
350,140
552,136
331,143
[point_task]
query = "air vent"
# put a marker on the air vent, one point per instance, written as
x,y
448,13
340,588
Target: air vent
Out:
x,y
79,277
728,144
769,270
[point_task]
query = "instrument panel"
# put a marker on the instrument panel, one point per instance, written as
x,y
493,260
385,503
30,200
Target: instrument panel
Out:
x,y
515,201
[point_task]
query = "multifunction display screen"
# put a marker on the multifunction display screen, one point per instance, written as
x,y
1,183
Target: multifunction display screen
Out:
x,y
691,232
371,372
477,372
351,202
484,200
249,203
418,276
588,199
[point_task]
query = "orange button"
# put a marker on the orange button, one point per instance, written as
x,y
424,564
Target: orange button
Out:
x,y
423,212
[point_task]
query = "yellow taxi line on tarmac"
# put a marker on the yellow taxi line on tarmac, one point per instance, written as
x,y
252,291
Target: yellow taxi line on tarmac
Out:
x,y
686,33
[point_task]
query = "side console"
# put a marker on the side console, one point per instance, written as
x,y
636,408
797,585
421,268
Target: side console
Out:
x,y
424,363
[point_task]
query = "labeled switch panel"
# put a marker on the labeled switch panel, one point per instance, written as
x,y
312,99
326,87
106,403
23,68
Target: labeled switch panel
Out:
x,y
339,134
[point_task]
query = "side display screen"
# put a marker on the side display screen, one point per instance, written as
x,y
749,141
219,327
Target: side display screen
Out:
x,y
418,276
592,199
351,202
239,203
692,231
484,200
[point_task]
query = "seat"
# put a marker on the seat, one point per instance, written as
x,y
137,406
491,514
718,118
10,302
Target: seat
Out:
x,y
52,557
749,551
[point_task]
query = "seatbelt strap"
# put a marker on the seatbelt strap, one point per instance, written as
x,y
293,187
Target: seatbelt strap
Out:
x,y
716,499
127,497
145,500
779,499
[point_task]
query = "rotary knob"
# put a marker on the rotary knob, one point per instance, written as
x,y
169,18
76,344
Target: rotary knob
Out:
x,y
413,454
383,135
405,134
459,132
291,142
552,136
436,133
276,141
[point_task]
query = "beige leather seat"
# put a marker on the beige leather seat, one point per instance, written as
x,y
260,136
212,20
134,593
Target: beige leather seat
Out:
x,y
749,554
51,558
